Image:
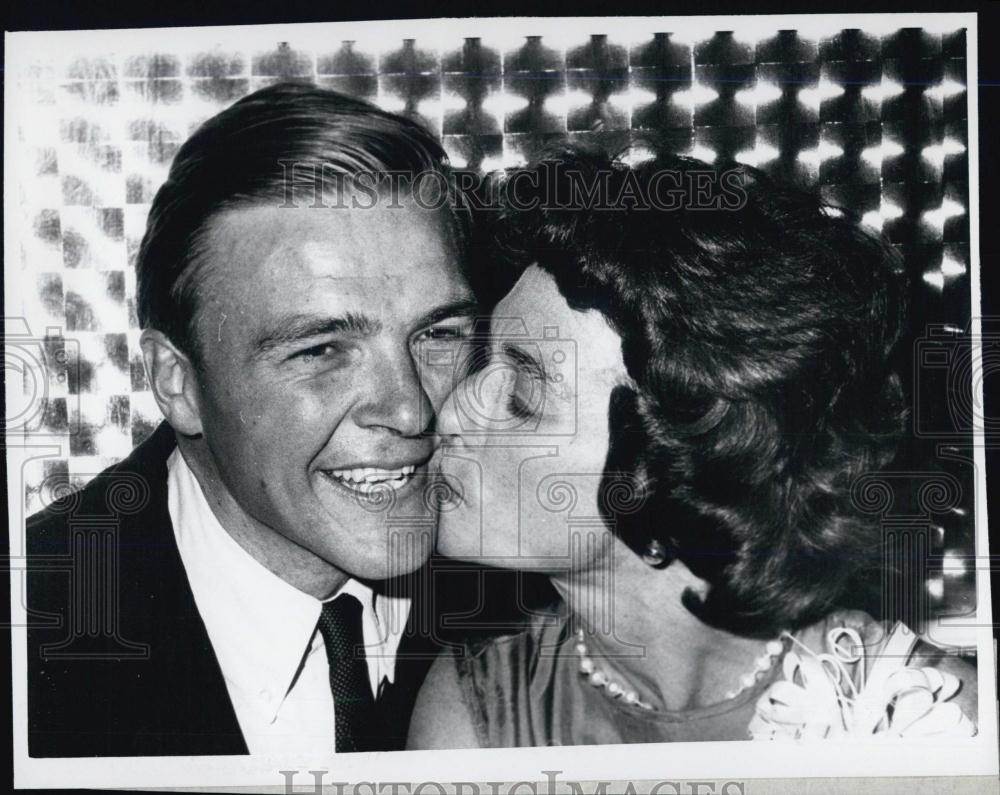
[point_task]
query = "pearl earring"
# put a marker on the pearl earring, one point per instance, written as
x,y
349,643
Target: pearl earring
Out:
x,y
655,554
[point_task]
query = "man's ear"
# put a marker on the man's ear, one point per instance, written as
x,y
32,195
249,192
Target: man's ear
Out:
x,y
171,376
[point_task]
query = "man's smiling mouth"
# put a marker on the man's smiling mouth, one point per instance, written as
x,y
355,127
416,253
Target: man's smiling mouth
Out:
x,y
367,481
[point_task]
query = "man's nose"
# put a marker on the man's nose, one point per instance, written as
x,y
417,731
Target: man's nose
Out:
x,y
398,401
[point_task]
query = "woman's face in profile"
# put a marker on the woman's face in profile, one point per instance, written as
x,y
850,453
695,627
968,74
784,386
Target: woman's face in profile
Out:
x,y
524,439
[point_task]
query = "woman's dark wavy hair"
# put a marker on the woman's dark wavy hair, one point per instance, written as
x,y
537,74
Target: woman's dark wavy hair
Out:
x,y
760,340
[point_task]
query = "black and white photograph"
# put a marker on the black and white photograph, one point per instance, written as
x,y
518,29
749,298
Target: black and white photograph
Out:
x,y
480,402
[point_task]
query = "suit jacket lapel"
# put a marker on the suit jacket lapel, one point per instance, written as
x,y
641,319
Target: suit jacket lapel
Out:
x,y
199,702
151,686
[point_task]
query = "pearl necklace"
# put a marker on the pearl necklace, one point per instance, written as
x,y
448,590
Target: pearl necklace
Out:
x,y
761,665
622,690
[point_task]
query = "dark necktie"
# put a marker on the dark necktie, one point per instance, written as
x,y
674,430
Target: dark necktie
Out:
x,y
353,704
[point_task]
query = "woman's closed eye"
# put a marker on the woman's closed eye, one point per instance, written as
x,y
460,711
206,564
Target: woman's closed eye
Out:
x,y
526,384
519,408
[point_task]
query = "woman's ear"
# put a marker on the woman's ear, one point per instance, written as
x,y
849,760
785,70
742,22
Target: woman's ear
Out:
x,y
172,378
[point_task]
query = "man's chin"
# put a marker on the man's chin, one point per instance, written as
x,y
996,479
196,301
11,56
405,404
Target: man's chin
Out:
x,y
392,553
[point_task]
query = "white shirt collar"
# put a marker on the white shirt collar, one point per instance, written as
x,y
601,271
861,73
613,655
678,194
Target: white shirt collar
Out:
x,y
261,627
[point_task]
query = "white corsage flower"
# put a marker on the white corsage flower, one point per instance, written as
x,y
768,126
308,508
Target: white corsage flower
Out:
x,y
819,699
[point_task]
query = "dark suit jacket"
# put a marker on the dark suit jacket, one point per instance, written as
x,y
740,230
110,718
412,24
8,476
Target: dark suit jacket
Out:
x,y
119,660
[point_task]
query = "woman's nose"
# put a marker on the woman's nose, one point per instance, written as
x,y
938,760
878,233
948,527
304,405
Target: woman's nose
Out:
x,y
477,406
448,424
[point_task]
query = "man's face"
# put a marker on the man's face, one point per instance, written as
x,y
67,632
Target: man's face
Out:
x,y
316,412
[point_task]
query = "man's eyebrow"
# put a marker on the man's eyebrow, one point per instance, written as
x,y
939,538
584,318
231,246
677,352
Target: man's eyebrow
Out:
x,y
296,328
465,307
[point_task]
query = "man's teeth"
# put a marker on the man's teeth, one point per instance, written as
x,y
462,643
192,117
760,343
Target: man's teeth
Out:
x,y
365,478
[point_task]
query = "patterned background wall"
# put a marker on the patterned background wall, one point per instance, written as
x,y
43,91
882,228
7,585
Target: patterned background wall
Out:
x,y
875,118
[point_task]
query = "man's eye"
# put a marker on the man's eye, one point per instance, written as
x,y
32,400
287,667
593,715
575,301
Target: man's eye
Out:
x,y
327,349
442,333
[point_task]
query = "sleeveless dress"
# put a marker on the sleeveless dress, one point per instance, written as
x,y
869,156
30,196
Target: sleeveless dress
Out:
x,y
525,689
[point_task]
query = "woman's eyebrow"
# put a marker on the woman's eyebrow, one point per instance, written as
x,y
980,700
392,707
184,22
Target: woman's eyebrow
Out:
x,y
525,361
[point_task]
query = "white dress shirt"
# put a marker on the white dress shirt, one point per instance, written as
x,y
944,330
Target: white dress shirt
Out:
x,y
264,633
